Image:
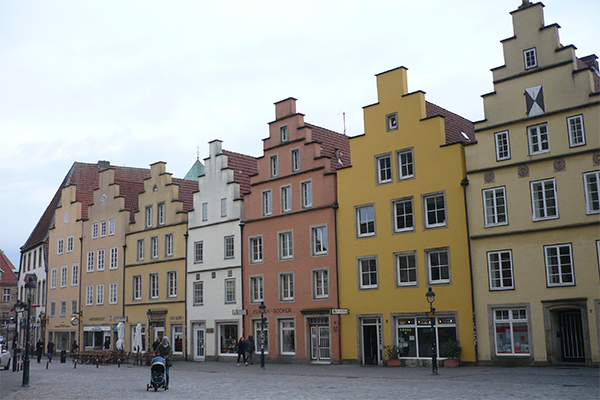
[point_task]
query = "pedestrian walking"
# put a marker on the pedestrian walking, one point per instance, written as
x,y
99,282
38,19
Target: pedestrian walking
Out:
x,y
50,350
165,351
156,344
107,343
250,349
74,347
39,349
241,351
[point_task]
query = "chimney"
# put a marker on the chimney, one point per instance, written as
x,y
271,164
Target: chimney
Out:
x,y
591,61
102,165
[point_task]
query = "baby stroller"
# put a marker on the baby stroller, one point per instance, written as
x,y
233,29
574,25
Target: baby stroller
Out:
x,y
157,374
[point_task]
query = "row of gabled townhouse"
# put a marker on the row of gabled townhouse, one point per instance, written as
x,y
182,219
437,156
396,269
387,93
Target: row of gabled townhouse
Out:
x,y
341,252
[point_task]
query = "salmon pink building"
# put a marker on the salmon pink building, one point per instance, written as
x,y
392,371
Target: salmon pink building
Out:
x,y
289,240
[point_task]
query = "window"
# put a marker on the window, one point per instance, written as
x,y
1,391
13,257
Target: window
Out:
x,y
103,229
283,134
576,131
70,244
137,287
559,265
538,139
153,279
320,283
406,165
65,217
307,197
391,122
319,240
286,286
287,334
543,198
140,249
286,246
198,293
198,252
511,332
296,162
6,295
114,258
161,213
89,295
95,230
172,284
404,218
274,163
258,328
406,264
256,249
286,199
365,221
90,261
168,244
257,289
111,227
223,207
101,256
530,58
100,294
154,247
591,181
177,335
415,338
494,206
74,275
63,308
204,211
502,146
52,309
229,249
74,310
53,273
435,210
112,293
500,270
267,202
228,335
438,263
60,246
367,273
149,214
229,291
64,271
384,169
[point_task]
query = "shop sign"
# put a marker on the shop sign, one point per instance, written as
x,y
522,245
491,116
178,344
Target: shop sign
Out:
x,y
339,311
121,319
239,312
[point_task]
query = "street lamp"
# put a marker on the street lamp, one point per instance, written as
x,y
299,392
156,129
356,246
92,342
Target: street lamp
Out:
x,y
30,287
148,314
262,308
19,307
430,295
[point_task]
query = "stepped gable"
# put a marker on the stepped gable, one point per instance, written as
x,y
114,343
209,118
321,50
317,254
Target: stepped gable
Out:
x,y
582,65
330,142
8,275
131,184
454,124
187,188
243,167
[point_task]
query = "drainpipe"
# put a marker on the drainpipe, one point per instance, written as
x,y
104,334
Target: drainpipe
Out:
x,y
242,224
124,278
80,282
464,183
185,324
337,279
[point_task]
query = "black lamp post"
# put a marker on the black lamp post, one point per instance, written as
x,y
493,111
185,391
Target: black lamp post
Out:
x,y
148,314
30,287
431,298
262,308
19,307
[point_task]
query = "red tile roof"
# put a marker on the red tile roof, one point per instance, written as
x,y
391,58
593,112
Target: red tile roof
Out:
x,y
330,142
454,124
186,192
582,65
8,276
243,167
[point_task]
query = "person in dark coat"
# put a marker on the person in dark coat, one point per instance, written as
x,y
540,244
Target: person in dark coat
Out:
x,y
165,351
50,350
250,348
241,351
75,347
156,344
107,343
39,349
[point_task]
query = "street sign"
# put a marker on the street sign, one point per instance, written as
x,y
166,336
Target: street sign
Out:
x,y
340,311
121,319
239,312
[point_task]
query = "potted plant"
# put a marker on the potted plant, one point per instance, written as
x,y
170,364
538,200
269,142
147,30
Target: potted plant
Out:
x,y
452,350
391,355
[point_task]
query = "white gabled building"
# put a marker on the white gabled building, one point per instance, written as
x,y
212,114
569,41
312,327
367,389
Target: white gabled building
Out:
x,y
214,261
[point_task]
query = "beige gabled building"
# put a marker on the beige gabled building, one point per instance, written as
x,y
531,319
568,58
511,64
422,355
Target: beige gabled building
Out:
x,y
533,202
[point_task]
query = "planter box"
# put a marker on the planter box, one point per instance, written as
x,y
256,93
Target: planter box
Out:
x,y
394,362
451,362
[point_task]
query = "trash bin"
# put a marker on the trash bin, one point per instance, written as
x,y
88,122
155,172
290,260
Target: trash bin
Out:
x,y
63,356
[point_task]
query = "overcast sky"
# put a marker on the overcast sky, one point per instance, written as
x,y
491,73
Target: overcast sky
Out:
x,y
135,82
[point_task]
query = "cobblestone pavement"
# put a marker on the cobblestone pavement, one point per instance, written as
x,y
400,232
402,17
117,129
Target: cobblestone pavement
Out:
x,y
214,380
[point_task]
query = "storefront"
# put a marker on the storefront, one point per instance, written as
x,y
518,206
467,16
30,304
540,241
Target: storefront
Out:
x,y
95,336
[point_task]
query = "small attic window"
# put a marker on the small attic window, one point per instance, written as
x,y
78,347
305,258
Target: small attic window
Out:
x,y
103,198
283,134
465,136
338,155
391,122
155,188
530,58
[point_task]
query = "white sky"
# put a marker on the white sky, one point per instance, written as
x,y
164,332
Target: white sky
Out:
x,y
135,82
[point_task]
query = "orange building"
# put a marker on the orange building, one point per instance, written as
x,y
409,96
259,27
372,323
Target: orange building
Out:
x,y
289,240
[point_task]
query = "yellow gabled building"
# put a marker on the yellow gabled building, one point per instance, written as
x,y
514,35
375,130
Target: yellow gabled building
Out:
x,y
402,229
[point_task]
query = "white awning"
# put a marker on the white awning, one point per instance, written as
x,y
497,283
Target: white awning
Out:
x,y
97,328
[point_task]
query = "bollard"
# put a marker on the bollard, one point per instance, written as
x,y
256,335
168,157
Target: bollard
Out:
x,y
74,363
47,363
97,361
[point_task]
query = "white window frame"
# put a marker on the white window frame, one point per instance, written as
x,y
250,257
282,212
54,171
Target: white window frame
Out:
x,y
319,240
500,267
320,280
257,288
256,249
100,294
286,198
541,204
89,295
369,262
406,263
530,58
169,245
204,211
101,259
383,168
103,228
113,293
560,265
52,312
114,258
63,308
199,252
284,134
434,262
286,325
223,208
285,242
502,141
149,213
591,187
161,209
426,210
60,246
229,247
171,284
495,211
153,247
267,202
391,122
111,227
95,230
365,220
74,308
296,160
576,130
274,165
510,318
407,218
75,275
137,287
53,277
286,286
198,293
538,139
230,291
406,168
64,273
70,241
90,261
153,285
141,249
307,194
